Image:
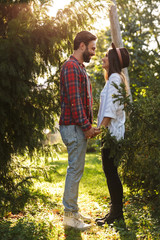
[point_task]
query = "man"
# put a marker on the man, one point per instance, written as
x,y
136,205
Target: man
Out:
x,y
75,122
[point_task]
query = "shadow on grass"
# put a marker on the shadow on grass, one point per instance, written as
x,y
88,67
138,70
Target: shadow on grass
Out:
x,y
56,171
45,198
28,225
17,205
124,232
142,217
22,230
72,234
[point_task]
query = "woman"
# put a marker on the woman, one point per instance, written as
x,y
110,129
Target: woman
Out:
x,y
112,116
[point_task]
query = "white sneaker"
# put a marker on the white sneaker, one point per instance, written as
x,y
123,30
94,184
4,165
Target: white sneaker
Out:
x,y
84,218
72,220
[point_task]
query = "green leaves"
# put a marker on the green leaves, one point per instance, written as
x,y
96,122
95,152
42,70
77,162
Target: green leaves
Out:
x,y
141,154
115,146
32,44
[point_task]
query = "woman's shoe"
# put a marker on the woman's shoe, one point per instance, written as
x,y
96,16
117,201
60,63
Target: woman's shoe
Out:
x,y
115,213
101,219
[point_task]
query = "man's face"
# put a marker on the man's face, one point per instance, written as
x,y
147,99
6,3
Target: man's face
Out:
x,y
89,51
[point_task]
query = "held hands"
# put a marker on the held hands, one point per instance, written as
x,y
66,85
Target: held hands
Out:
x,y
92,132
96,131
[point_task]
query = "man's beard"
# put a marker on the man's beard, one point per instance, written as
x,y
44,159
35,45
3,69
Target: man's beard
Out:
x,y
86,56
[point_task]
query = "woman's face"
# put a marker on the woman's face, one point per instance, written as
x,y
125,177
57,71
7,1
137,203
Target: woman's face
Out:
x,y
105,64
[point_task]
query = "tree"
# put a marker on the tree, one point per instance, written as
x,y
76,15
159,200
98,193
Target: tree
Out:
x,y
141,159
140,28
32,45
139,23
116,33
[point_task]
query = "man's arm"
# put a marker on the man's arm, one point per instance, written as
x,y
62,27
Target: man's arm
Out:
x,y
72,81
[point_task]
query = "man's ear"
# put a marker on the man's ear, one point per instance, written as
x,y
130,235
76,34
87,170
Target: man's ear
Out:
x,y
82,46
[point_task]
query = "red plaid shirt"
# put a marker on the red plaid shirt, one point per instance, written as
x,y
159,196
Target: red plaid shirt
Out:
x,y
76,108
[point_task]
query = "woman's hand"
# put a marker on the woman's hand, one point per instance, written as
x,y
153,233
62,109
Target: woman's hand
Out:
x,y
96,131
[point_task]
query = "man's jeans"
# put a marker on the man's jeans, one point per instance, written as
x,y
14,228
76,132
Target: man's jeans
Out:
x,y
76,143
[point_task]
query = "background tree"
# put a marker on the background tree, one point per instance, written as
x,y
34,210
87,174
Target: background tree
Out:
x,y
139,22
140,30
32,46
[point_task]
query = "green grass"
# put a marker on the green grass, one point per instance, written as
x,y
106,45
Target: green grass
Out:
x,y
43,214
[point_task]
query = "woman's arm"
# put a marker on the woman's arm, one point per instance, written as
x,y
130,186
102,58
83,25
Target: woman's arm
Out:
x,y
105,122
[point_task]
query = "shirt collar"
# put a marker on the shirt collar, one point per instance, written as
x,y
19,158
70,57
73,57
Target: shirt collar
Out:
x,y
81,64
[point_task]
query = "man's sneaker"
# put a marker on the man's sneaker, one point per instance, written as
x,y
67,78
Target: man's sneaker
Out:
x,y
73,220
84,218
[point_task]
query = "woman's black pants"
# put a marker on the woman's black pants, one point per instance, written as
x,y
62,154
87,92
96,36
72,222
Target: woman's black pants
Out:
x,y
113,181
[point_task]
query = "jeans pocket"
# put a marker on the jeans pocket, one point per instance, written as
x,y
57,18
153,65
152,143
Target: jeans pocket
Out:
x,y
80,133
68,134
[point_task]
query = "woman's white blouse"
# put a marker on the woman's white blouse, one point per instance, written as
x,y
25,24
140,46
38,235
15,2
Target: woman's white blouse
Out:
x,y
111,109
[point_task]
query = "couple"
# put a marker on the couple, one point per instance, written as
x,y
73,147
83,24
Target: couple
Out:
x,y
76,124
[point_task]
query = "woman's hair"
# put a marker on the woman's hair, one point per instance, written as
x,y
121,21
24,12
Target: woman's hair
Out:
x,y
83,36
115,67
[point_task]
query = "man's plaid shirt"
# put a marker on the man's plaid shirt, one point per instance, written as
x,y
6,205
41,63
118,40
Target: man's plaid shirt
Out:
x,y
76,108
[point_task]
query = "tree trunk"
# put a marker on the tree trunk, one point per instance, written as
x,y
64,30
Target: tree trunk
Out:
x,y
116,33
115,27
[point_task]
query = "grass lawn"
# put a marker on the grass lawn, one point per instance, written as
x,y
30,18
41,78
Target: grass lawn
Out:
x,y
43,214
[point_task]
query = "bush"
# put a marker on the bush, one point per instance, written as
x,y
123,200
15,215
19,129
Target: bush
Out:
x,y
16,188
141,152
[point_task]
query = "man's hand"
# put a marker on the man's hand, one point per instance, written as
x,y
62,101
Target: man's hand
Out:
x,y
89,133
96,131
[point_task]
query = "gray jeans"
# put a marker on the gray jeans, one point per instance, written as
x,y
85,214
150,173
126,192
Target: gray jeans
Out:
x,y
76,143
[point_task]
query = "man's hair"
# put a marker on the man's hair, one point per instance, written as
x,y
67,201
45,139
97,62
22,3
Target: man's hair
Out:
x,y
83,36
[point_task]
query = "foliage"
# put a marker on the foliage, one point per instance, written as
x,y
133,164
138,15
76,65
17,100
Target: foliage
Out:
x,y
27,228
92,145
43,215
142,153
15,191
32,47
139,21
26,107
110,142
139,152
